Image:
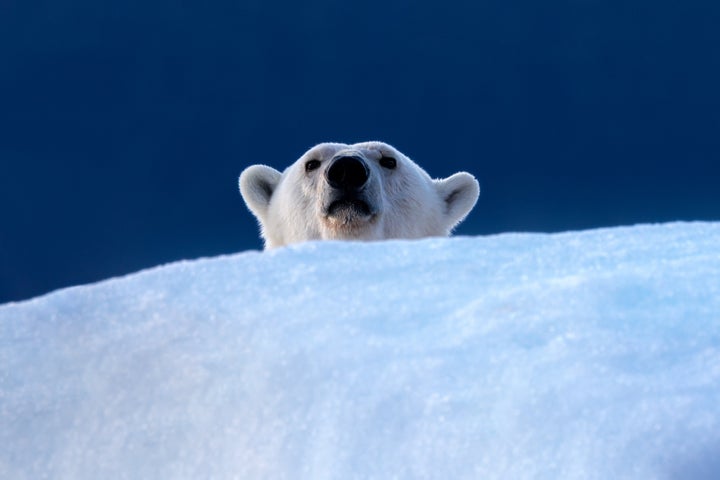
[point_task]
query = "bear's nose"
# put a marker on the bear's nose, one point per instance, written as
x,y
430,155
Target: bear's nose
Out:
x,y
348,173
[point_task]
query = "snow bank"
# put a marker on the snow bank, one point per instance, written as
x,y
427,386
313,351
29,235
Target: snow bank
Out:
x,y
521,356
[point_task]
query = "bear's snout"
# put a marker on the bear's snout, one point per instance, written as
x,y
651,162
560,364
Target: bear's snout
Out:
x,y
347,173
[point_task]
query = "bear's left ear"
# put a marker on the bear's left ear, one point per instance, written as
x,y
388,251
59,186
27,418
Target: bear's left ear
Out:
x,y
459,193
257,185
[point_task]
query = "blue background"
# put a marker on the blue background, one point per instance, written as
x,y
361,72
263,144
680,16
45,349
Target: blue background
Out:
x,y
124,125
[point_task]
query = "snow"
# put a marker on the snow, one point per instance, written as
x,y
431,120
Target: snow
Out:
x,y
582,355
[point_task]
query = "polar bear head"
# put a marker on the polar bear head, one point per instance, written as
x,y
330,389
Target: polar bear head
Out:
x,y
366,191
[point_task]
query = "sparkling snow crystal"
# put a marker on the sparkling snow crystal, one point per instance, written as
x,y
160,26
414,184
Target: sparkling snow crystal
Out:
x,y
521,356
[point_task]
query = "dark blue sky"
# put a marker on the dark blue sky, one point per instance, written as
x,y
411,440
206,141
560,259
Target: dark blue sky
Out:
x,y
124,125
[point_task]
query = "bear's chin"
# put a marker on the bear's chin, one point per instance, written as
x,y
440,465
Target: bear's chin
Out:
x,y
349,218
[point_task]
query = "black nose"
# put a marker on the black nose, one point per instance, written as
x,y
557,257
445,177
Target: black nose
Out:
x,y
347,173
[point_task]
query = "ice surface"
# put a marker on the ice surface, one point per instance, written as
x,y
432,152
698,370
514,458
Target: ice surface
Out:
x,y
584,355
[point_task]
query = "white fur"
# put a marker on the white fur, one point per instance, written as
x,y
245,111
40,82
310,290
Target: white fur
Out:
x,y
407,203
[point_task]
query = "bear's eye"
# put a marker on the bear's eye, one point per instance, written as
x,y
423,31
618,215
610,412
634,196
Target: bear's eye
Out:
x,y
311,165
388,162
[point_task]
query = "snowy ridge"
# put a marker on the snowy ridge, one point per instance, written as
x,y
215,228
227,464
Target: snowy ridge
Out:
x,y
520,356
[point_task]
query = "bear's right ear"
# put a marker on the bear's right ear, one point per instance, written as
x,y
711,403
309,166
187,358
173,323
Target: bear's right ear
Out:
x,y
459,193
257,185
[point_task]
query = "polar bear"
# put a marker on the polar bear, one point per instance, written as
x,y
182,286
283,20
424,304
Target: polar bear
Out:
x,y
365,191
